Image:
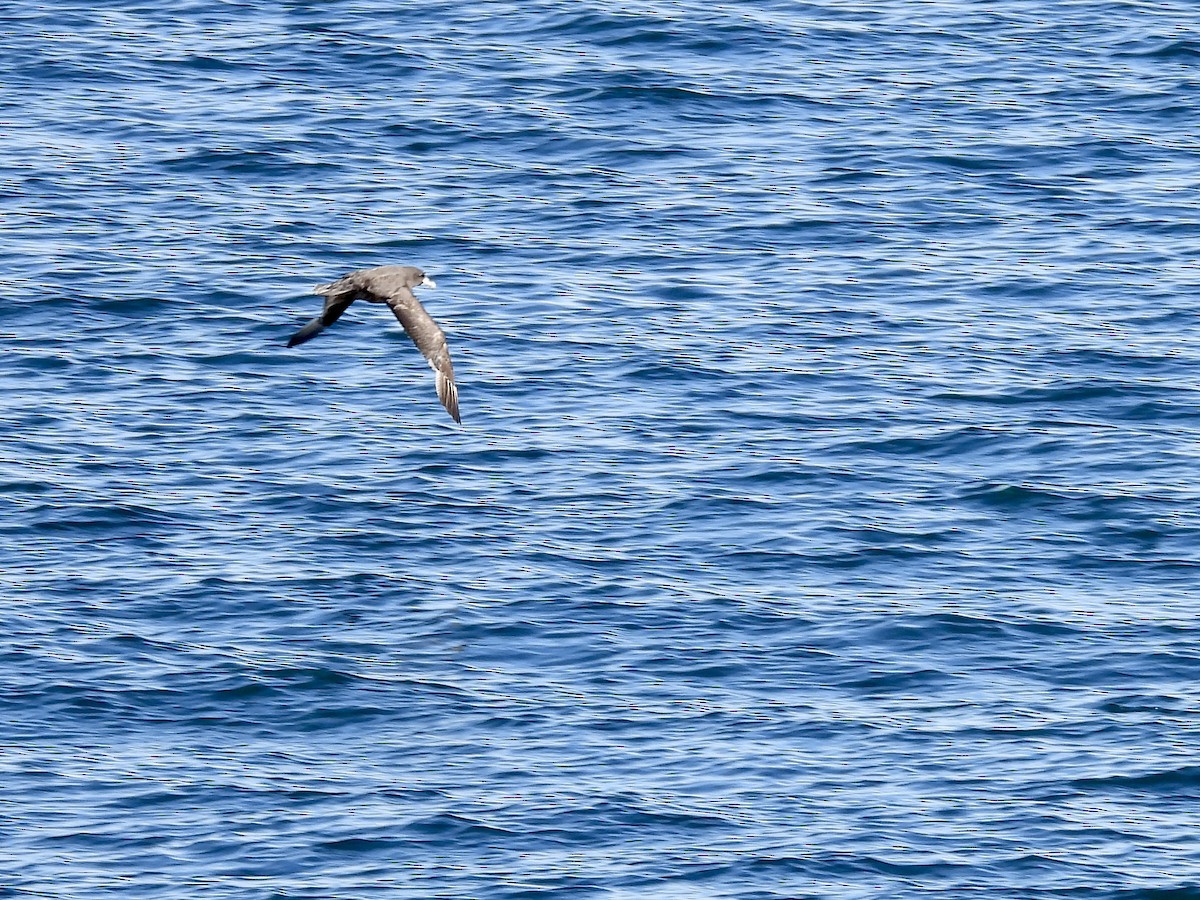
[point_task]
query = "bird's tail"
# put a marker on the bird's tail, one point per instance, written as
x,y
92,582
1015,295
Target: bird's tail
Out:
x,y
307,333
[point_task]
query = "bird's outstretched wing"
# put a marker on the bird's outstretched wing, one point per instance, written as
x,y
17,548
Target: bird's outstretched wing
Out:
x,y
337,301
430,340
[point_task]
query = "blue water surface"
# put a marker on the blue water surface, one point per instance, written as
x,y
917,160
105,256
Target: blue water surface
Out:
x,y
824,522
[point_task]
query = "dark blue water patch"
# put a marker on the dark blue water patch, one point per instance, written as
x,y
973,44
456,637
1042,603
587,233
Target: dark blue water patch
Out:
x,y
1178,50
251,162
952,443
1098,393
1181,783
98,519
1151,707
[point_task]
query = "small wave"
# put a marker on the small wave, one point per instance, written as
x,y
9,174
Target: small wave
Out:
x,y
1004,496
1185,50
1183,780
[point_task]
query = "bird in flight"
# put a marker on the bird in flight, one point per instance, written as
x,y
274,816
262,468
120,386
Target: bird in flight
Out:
x,y
391,285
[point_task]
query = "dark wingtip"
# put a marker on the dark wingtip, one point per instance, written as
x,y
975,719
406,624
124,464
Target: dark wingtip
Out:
x,y
307,333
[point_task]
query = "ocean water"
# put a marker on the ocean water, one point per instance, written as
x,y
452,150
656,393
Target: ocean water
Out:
x,y
824,521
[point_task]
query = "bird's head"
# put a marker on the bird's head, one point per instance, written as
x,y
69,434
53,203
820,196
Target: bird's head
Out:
x,y
420,279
